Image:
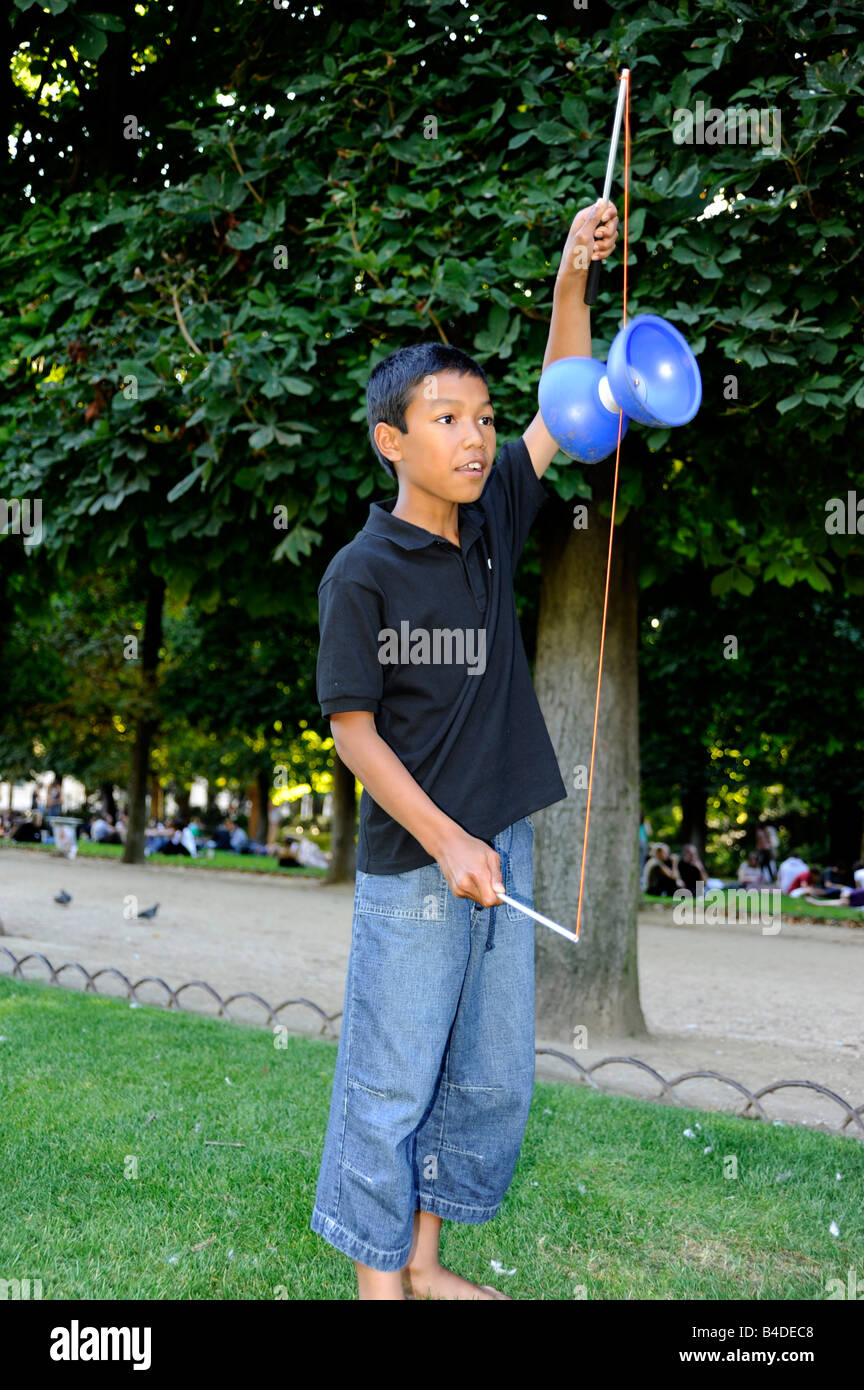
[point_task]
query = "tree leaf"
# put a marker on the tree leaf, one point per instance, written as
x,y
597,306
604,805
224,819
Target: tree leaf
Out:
x,y
261,437
184,485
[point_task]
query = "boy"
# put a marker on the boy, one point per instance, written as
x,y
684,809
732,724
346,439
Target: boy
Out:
x,y
423,674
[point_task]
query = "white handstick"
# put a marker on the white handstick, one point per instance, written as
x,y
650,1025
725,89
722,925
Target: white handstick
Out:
x,y
616,131
538,917
593,283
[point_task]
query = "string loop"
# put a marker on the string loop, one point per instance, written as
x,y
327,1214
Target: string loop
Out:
x,y
612,520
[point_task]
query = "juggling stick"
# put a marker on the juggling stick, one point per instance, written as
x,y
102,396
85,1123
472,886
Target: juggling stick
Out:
x,y
593,283
538,917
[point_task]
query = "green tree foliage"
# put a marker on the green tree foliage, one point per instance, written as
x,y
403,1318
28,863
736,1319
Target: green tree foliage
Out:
x,y
756,706
194,294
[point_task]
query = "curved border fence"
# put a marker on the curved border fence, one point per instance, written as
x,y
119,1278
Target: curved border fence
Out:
x,y
753,1109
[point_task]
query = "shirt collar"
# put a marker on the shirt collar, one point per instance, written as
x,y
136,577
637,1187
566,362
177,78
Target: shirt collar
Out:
x,y
381,522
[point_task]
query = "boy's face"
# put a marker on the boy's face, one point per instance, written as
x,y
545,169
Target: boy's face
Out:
x,y
450,421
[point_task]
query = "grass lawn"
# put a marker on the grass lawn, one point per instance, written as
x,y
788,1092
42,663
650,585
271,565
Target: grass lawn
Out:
x,y
222,859
789,907
109,1187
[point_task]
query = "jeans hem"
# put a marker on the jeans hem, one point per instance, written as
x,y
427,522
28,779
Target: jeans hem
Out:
x,y
349,1244
456,1211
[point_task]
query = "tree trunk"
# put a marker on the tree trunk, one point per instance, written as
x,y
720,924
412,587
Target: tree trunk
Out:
x,y
343,860
844,826
262,820
181,796
109,805
146,722
694,800
593,983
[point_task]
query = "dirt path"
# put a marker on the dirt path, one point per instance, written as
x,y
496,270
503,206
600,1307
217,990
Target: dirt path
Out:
x,y
724,998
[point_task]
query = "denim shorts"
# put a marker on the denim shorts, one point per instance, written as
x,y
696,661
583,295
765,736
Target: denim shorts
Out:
x,y
435,1067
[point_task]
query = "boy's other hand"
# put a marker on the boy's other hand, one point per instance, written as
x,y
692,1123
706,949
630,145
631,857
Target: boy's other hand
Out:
x,y
472,869
592,237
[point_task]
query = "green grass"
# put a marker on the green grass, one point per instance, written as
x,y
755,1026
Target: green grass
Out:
x,y
222,859
789,907
607,1193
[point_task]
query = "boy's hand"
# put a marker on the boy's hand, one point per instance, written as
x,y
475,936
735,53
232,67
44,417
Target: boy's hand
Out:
x,y
472,868
592,237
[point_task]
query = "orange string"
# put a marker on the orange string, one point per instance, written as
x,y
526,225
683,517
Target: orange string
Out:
x,y
612,521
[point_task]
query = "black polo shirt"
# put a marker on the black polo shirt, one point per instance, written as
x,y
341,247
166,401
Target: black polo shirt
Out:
x,y
424,633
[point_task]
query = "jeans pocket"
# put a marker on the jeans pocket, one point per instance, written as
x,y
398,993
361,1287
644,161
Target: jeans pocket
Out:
x,y
418,894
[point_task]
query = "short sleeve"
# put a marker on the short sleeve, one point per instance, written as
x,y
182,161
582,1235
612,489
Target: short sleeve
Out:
x,y
349,674
515,494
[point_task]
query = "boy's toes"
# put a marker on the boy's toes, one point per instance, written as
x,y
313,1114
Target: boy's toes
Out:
x,y
496,1293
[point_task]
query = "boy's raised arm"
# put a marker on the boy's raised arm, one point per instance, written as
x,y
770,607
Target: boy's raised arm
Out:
x,y
592,236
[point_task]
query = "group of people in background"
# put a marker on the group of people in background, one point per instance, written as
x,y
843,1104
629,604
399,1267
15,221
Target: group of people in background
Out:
x,y
23,829
662,872
180,838
843,884
108,829
176,837
36,825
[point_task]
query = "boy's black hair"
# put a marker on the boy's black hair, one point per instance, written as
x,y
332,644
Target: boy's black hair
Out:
x,y
390,388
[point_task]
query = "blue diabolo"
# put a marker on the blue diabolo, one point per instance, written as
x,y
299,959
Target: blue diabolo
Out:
x,y
652,376
582,421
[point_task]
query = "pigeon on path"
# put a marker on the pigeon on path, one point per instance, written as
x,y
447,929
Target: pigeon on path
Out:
x,y
149,911
63,897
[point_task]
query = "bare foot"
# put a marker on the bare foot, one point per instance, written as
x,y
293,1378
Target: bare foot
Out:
x,y
439,1282
376,1284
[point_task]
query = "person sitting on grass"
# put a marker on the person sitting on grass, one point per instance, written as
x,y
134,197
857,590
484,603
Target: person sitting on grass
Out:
x,y
240,841
103,831
849,897
789,871
661,873
299,851
802,883
178,841
691,870
100,826
25,831
831,884
750,871
286,853
239,838
222,835
765,851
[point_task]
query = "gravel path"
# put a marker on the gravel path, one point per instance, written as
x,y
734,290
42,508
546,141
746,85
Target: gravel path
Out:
x,y
724,998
